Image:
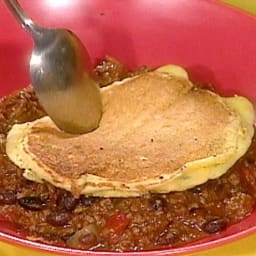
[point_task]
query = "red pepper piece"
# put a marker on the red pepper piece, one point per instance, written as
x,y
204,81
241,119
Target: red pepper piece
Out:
x,y
118,223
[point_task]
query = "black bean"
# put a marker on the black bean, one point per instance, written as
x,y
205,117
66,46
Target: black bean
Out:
x,y
67,202
70,203
88,201
32,203
197,190
8,197
58,219
158,203
214,226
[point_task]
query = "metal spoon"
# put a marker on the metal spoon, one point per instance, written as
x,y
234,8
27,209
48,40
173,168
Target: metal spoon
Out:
x,y
60,69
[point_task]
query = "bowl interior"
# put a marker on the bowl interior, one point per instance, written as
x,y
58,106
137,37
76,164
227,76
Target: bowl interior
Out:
x,y
215,43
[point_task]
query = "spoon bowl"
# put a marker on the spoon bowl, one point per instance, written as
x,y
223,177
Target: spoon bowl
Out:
x,y
60,71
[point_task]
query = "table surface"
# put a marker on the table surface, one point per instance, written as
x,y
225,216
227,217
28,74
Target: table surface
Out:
x,y
243,247
247,5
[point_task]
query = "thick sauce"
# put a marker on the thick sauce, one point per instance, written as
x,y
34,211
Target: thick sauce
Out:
x,y
54,216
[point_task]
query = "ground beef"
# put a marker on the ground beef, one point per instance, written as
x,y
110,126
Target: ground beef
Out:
x,y
54,216
110,70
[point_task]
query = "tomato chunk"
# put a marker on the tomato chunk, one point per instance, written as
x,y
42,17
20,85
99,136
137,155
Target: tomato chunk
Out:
x,y
118,223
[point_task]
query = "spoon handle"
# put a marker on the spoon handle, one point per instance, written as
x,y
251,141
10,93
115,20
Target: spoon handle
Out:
x,y
26,22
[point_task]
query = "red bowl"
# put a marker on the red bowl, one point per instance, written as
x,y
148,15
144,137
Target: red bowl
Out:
x,y
214,42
